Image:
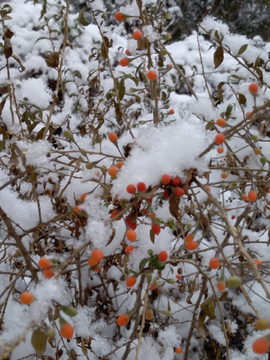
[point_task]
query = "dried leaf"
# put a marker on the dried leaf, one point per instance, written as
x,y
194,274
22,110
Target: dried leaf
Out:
x,y
218,56
174,207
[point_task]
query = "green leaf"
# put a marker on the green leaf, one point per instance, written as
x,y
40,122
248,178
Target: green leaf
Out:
x,y
82,19
143,263
242,49
69,310
39,341
121,89
157,264
218,56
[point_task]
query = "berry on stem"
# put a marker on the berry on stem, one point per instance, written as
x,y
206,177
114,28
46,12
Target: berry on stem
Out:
x,y
137,35
214,263
131,235
44,262
115,213
124,62
48,273
129,249
179,191
220,149
97,255
67,331
224,175
83,196
141,186
260,346
219,139
259,263
119,164
152,75
244,197
221,122
253,88
165,179
156,229
192,245
131,224
131,189
112,137
171,111
92,262
112,171
176,181
123,319
26,298
119,16
178,350
221,285
163,256
189,238
131,281
252,196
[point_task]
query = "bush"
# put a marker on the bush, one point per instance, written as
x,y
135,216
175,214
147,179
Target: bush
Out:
x,y
135,194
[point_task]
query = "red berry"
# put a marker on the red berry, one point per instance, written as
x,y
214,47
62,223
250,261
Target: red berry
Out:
x,y
123,319
44,262
172,111
119,16
129,249
165,179
131,224
252,196
166,195
26,298
176,181
179,191
97,255
137,35
220,149
67,331
114,213
260,346
221,122
152,75
163,256
124,62
112,137
131,235
220,139
141,186
131,189
214,263
131,281
192,245
253,88
156,229
128,52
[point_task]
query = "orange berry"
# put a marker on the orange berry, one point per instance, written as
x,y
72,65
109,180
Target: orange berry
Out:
x,y
259,263
67,331
112,171
257,151
221,122
131,224
128,52
178,276
250,117
97,255
208,188
220,139
152,215
189,238
179,191
115,213
26,298
178,350
244,197
221,285
153,287
131,235
131,281
119,16
260,346
83,196
149,314
152,75
165,179
252,196
77,209
176,181
129,249
172,111
253,88
141,186
163,256
220,149
214,263
156,229
224,175
166,194
112,137
137,35
48,273
44,262
96,269
119,164
131,189
192,245
92,262
124,62
123,319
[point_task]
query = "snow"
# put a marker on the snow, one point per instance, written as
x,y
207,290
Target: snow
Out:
x,y
52,172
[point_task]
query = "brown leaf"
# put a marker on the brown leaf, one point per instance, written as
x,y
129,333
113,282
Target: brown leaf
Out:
x,y
174,207
218,56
